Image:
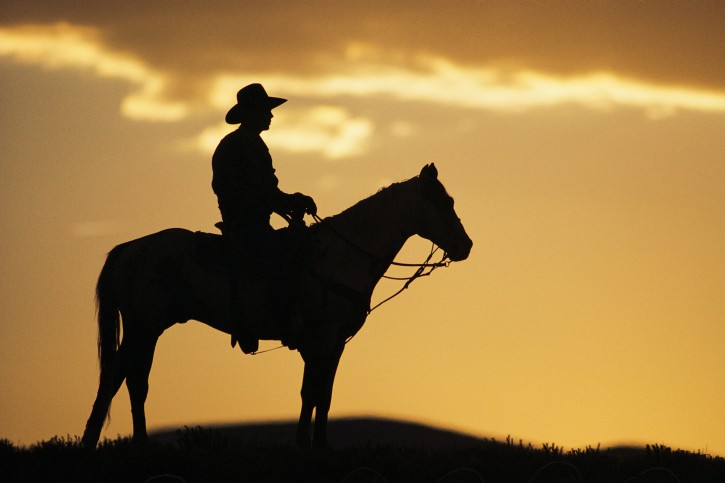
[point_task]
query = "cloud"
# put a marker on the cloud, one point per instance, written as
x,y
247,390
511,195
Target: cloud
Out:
x,y
665,42
436,80
94,229
363,70
62,45
329,182
359,71
402,129
329,130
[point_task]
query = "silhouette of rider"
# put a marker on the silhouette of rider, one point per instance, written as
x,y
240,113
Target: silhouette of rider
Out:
x,y
246,187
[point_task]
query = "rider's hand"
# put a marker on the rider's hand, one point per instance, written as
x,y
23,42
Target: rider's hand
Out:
x,y
304,203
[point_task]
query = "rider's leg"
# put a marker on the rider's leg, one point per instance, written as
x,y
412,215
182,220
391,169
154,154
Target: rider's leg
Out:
x,y
248,300
273,298
281,272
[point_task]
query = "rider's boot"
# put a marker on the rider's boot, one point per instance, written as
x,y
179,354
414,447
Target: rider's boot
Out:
x,y
288,306
251,310
295,325
248,343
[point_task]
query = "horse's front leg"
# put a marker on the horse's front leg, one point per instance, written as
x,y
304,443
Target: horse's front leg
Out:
x,y
303,426
317,383
324,398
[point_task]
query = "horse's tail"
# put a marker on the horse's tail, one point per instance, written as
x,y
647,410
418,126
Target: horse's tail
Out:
x,y
109,316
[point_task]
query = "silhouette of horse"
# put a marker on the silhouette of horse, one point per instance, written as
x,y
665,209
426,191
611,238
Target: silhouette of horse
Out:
x,y
159,280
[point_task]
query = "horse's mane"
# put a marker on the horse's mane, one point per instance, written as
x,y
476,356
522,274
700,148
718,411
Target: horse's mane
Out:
x,y
367,206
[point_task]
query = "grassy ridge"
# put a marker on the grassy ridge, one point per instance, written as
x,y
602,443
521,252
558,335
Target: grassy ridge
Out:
x,y
205,455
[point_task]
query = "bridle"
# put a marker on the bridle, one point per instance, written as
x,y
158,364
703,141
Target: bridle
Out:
x,y
422,269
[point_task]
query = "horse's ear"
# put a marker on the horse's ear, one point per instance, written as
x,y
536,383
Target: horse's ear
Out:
x,y
429,171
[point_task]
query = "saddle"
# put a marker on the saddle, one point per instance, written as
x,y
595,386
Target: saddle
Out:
x,y
210,251
215,252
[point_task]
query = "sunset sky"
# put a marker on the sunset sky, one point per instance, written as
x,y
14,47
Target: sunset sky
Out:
x,y
582,141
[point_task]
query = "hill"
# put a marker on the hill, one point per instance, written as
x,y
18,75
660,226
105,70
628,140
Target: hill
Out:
x,y
343,433
364,450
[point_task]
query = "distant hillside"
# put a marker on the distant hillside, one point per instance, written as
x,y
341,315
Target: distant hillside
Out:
x,y
363,449
344,433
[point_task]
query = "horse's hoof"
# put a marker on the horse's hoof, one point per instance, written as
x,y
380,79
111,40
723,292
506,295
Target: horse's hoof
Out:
x,y
364,474
141,442
249,345
319,444
88,444
303,442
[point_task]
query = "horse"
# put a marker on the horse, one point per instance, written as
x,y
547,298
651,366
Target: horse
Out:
x,y
149,284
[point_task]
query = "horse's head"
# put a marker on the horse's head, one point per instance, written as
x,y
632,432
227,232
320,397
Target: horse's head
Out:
x,y
438,220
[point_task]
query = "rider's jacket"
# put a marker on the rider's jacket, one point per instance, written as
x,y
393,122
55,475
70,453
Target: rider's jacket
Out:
x,y
244,180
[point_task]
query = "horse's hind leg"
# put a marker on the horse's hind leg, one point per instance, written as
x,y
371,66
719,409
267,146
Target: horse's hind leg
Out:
x,y
110,381
141,356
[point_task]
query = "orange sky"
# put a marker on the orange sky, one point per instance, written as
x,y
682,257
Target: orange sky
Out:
x,y
581,140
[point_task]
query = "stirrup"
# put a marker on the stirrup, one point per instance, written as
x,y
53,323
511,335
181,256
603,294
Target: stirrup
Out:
x,y
248,345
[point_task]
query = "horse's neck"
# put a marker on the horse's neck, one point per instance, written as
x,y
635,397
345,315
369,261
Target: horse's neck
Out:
x,y
366,237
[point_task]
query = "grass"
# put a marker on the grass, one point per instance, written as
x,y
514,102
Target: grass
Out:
x,y
206,455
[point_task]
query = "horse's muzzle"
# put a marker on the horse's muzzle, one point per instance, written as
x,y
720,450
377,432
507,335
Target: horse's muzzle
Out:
x,y
461,252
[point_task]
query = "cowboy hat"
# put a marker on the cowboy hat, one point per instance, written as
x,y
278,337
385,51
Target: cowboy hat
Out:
x,y
251,96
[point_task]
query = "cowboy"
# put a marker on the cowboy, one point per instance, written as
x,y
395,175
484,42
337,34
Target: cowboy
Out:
x,y
247,192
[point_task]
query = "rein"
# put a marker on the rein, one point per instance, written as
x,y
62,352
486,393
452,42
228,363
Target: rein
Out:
x,y
445,262
420,272
423,270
